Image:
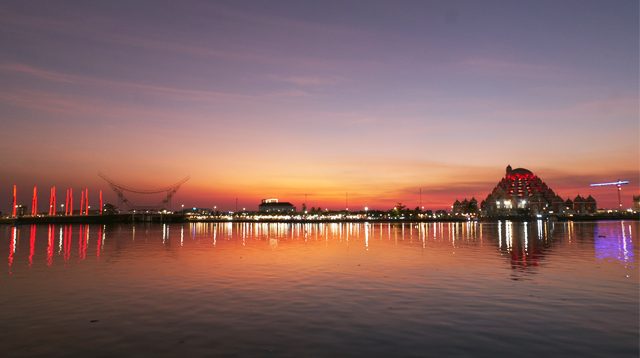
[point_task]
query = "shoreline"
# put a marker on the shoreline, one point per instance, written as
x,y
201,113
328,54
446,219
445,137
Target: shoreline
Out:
x,y
179,218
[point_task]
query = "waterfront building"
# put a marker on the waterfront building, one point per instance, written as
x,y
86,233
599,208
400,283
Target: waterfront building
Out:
x,y
276,207
521,192
196,211
465,206
21,210
584,205
636,202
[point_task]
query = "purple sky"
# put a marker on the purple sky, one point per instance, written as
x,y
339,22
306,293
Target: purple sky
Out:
x,y
259,99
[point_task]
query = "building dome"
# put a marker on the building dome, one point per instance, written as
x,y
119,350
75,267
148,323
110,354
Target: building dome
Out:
x,y
521,171
518,173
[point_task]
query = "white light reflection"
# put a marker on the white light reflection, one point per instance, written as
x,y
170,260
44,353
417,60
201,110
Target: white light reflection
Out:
x,y
526,236
625,251
509,234
15,240
539,228
366,236
60,240
453,228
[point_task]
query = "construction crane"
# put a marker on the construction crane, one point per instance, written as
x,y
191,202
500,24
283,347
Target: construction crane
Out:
x,y
619,185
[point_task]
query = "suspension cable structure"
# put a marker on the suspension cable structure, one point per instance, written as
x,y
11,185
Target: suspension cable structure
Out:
x,y
120,191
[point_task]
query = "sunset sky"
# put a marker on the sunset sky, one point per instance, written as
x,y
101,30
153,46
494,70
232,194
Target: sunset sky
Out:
x,y
258,99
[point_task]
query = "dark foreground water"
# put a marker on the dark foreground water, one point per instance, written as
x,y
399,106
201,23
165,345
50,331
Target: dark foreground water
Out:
x,y
529,289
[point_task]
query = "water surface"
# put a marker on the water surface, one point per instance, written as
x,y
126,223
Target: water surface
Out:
x,y
352,289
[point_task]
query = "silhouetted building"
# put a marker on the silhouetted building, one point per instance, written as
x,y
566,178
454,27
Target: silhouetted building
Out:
x,y
584,205
21,210
636,202
276,207
196,211
465,206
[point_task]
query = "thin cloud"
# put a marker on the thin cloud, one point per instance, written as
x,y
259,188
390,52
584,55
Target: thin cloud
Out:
x,y
594,109
309,81
79,106
495,66
105,30
151,89
287,23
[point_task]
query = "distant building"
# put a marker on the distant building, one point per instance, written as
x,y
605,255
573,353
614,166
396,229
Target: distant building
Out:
x,y
465,206
196,211
521,192
276,207
636,202
584,205
21,210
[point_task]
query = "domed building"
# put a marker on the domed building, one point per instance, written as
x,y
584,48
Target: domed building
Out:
x,y
522,192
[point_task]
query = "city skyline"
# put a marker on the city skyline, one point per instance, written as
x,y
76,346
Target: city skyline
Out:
x,y
378,100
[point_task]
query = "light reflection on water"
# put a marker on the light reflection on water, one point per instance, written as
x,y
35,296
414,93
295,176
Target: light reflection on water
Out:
x,y
318,289
613,242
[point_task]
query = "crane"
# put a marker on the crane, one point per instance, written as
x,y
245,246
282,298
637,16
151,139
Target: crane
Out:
x,y
619,185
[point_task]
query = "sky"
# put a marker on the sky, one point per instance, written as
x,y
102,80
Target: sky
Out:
x,y
370,100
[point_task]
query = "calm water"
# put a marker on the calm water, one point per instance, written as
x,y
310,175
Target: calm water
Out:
x,y
320,289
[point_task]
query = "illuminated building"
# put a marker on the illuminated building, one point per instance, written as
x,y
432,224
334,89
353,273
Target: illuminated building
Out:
x,y
276,207
521,192
21,210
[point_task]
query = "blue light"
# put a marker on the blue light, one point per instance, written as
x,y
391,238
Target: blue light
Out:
x,y
619,182
613,244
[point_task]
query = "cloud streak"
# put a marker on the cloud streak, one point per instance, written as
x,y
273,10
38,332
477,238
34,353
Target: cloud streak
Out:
x,y
184,94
